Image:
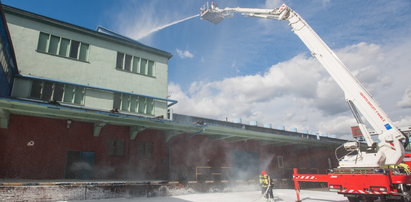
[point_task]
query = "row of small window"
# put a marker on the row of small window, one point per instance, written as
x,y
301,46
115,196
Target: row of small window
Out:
x,y
49,91
56,45
134,103
135,64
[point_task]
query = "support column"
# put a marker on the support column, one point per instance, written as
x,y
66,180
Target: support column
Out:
x,y
97,128
4,118
171,134
134,130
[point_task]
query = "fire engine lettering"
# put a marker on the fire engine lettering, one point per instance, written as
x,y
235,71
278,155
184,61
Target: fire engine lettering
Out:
x,y
372,107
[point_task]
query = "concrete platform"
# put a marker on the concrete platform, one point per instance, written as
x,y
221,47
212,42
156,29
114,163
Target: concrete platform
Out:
x,y
57,190
63,190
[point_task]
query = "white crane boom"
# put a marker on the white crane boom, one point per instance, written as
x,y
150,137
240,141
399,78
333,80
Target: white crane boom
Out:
x,y
390,150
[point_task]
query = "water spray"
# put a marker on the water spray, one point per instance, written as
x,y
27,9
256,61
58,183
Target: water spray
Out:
x,y
167,25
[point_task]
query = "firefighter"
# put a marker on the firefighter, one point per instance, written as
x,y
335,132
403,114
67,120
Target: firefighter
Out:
x,y
263,187
267,185
404,167
401,168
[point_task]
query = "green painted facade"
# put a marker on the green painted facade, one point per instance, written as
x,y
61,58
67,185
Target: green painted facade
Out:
x,y
46,61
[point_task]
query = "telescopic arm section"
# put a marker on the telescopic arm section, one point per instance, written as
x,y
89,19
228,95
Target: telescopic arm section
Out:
x,y
390,150
212,13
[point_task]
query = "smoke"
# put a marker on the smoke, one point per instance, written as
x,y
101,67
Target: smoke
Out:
x,y
265,162
79,166
103,172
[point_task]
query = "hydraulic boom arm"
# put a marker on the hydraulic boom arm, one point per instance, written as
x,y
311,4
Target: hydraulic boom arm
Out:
x,y
390,150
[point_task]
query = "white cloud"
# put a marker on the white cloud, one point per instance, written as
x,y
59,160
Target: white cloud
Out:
x,y
404,122
184,54
272,3
281,95
405,102
325,2
298,93
336,125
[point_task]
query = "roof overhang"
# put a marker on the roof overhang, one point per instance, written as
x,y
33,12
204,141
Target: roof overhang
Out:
x,y
30,108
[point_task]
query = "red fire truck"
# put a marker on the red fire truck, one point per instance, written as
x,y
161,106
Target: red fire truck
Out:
x,y
369,170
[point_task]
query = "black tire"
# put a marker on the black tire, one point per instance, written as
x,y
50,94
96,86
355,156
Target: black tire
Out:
x,y
394,200
406,199
369,199
353,199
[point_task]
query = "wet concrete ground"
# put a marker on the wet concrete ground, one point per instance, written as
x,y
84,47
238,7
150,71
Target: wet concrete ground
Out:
x,y
280,195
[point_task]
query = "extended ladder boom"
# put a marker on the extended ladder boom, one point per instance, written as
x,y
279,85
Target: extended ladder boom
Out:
x,y
390,150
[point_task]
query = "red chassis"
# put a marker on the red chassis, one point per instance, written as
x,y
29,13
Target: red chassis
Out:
x,y
358,184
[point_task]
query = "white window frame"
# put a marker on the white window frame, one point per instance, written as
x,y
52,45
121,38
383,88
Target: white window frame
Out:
x,y
141,104
65,86
67,55
138,69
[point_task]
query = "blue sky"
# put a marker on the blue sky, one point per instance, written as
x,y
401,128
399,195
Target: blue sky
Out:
x,y
258,70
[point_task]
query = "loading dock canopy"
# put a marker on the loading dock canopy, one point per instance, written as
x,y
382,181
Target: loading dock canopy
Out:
x,y
181,124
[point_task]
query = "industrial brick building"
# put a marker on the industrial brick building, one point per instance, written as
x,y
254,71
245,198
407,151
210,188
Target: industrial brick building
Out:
x,y
83,104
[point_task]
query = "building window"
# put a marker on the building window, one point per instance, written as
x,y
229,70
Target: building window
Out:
x,y
133,103
145,149
120,58
56,45
143,66
43,41
135,64
74,49
83,56
64,47
50,91
150,68
115,147
127,63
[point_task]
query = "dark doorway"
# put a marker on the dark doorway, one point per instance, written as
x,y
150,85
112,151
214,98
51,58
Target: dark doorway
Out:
x,y
80,165
245,164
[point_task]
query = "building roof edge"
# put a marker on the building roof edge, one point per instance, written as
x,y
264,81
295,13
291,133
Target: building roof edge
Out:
x,y
122,40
